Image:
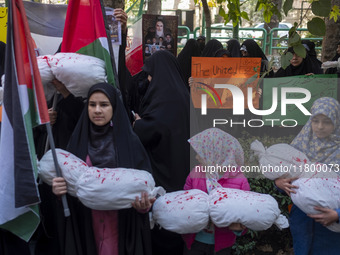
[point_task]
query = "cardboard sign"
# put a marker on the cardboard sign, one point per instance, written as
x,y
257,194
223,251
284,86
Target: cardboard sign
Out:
x,y
323,85
239,72
3,24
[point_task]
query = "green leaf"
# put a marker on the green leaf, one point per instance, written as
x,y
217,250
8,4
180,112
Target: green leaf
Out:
x,y
244,15
300,50
335,13
294,39
316,26
287,6
221,12
285,59
267,16
220,1
322,7
261,6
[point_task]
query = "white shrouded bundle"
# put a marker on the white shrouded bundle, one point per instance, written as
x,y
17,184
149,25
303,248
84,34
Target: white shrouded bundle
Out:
x,y
76,71
254,210
46,76
183,212
279,160
98,188
71,168
114,188
331,64
318,188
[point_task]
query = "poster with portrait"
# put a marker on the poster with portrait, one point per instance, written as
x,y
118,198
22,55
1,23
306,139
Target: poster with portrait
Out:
x,y
159,33
114,26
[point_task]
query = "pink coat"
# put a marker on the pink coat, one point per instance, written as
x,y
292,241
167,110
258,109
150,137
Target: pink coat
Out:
x,y
196,180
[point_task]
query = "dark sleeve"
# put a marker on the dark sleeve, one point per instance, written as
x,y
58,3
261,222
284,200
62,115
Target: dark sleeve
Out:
x,y
147,131
72,106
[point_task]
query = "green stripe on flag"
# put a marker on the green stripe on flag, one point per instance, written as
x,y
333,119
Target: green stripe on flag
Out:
x,y
97,50
30,116
24,225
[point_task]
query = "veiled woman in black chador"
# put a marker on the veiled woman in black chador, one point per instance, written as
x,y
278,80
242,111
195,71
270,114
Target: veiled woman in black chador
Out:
x,y
164,130
107,140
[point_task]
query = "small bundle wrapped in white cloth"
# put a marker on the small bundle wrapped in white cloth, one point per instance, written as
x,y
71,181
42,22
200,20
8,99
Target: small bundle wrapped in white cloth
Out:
x,y
279,160
318,188
46,75
331,64
76,71
98,188
115,188
254,210
183,212
72,168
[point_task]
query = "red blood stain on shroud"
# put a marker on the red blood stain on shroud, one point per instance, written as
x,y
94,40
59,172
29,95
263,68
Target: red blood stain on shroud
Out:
x,y
66,155
168,202
103,180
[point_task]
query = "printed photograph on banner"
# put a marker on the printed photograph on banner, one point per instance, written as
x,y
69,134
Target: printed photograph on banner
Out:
x,y
114,26
159,33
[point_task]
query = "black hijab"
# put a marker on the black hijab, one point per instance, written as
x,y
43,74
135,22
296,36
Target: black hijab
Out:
x,y
221,52
164,127
2,58
211,47
310,48
112,145
115,145
233,46
253,49
191,49
307,66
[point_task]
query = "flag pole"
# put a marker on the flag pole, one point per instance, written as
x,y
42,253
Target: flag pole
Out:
x,y
51,142
47,144
108,36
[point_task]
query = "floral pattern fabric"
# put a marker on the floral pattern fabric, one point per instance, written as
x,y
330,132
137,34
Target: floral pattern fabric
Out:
x,y
324,150
217,148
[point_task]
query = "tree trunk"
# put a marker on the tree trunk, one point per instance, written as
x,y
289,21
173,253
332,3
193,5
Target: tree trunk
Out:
x,y
154,7
176,3
332,37
114,4
274,23
207,19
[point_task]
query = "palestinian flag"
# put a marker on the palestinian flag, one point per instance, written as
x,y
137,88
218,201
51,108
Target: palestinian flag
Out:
x,y
85,32
24,107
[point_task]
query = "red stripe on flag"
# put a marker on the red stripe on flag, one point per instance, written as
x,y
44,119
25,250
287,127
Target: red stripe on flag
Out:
x,y
26,62
79,31
134,60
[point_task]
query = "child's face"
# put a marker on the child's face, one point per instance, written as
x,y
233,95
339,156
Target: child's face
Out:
x,y
322,126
